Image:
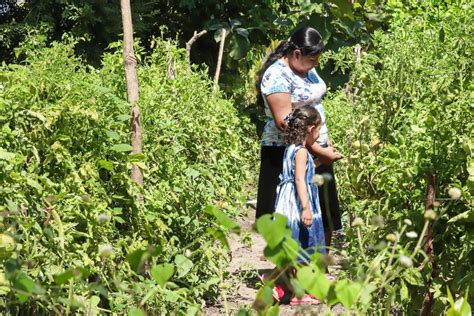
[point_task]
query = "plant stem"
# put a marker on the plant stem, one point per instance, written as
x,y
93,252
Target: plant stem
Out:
x,y
60,229
361,246
422,236
68,305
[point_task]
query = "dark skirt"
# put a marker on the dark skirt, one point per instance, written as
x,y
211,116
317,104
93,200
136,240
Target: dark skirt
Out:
x,y
271,165
328,200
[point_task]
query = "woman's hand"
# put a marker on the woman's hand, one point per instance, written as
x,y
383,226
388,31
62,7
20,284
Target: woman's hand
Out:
x,y
326,155
307,217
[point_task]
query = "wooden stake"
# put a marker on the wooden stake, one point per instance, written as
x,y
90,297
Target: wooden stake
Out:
x,y
130,64
219,60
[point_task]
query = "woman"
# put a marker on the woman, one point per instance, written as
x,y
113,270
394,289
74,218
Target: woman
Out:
x,y
288,80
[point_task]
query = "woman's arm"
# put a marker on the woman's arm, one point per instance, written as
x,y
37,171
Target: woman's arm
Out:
x,y
300,183
280,106
325,155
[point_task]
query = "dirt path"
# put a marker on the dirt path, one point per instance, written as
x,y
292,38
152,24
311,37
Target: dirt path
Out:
x,y
243,282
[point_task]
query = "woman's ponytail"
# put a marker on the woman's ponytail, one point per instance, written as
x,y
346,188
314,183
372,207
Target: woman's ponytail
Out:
x,y
281,50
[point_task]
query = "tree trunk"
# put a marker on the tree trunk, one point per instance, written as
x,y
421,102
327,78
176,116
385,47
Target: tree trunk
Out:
x,y
428,299
130,63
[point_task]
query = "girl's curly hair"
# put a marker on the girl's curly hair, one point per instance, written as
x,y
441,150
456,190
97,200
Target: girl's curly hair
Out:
x,y
298,121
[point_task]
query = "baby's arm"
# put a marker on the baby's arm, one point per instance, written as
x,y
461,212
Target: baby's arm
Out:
x,y
300,183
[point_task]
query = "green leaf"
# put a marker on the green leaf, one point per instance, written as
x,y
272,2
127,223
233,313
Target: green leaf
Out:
x,y
171,296
314,281
467,216
242,32
193,173
243,312
5,155
272,228
122,147
347,292
24,286
113,135
78,273
273,311
34,184
365,296
345,7
222,218
192,310
240,45
136,312
297,287
161,273
459,308
106,164
183,265
123,117
283,254
264,297
413,276
136,259
135,158
219,235
374,17
404,294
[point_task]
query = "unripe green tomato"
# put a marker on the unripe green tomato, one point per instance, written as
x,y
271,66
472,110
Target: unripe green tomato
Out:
x,y
430,215
391,237
7,246
356,144
466,147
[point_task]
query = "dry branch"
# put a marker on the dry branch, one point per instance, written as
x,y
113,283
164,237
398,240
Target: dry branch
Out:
x,y
189,43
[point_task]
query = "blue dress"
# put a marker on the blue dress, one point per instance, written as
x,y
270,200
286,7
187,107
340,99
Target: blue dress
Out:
x,y
288,204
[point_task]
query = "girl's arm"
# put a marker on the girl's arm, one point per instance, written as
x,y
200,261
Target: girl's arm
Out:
x,y
300,183
280,106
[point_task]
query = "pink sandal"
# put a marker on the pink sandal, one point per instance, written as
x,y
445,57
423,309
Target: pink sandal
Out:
x,y
278,291
307,299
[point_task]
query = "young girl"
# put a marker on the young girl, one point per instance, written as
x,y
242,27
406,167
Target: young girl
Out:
x,y
297,198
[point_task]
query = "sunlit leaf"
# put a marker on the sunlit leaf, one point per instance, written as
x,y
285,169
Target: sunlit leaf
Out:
x,y
161,273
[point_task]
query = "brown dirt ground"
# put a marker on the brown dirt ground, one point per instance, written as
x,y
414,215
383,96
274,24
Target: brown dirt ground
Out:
x,y
246,263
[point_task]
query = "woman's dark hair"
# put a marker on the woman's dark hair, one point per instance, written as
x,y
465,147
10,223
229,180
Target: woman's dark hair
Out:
x,y
306,39
298,121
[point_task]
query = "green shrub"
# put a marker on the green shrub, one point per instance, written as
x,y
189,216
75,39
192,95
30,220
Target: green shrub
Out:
x,y
67,199
407,113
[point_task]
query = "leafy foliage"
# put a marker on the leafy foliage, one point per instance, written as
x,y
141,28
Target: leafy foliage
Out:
x,y
68,207
406,113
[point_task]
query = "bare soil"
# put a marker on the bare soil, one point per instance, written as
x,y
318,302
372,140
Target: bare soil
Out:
x,y
247,263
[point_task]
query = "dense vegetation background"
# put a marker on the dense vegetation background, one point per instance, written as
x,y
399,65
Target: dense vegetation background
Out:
x,y
75,239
